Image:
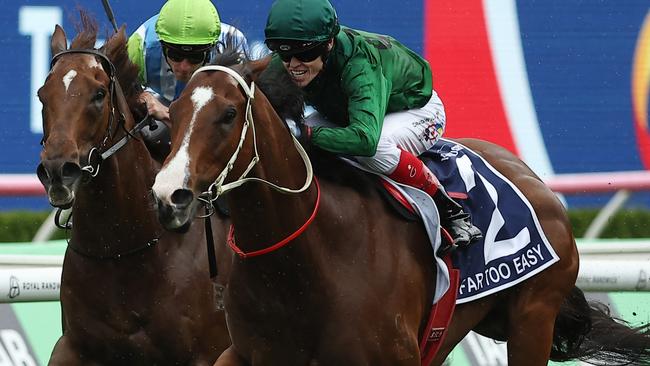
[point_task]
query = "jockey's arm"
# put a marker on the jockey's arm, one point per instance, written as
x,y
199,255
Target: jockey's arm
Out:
x,y
367,92
155,107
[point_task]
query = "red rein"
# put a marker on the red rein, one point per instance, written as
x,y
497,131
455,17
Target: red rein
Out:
x,y
280,244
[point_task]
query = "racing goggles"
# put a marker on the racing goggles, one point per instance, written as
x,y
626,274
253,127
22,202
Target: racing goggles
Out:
x,y
303,52
193,57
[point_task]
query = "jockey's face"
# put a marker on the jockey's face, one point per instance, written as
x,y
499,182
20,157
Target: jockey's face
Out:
x,y
183,69
303,72
183,60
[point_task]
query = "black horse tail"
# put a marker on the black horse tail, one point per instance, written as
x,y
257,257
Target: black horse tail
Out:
x,y
586,331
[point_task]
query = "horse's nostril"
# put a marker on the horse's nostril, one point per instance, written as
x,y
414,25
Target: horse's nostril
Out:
x,y
182,198
70,172
43,175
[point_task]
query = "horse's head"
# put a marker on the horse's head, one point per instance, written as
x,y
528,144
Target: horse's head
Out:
x,y
209,120
80,111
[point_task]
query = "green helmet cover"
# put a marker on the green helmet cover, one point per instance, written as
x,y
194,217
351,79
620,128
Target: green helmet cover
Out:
x,y
189,22
301,20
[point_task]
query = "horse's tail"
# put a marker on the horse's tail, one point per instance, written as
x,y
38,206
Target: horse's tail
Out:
x,y
586,331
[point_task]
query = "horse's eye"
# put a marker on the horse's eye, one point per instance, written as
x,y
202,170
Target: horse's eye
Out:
x,y
230,115
99,96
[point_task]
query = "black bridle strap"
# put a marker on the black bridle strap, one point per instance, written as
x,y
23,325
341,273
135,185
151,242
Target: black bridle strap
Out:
x,y
129,134
212,256
111,68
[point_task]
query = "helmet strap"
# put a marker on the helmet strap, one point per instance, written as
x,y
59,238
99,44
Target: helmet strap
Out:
x,y
326,52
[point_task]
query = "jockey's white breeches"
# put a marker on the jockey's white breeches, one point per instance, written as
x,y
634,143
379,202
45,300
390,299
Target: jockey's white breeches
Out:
x,y
413,130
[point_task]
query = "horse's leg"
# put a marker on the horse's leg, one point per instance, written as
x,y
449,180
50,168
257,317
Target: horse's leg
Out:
x,y
466,317
230,358
535,303
63,354
532,311
531,329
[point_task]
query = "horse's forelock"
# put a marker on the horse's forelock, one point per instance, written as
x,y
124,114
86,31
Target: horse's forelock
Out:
x,y
86,29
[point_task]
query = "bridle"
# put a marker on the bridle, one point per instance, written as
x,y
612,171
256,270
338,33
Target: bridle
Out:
x,y
97,155
218,187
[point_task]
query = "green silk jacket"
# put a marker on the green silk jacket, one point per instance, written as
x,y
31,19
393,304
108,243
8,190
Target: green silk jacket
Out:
x,y
365,77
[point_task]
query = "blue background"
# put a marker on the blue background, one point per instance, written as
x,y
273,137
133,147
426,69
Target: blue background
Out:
x,y
579,56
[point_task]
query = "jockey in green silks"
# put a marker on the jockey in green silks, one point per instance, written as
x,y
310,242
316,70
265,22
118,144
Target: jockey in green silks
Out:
x,y
373,96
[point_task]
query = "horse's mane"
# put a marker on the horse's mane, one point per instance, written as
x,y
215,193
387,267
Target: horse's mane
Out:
x,y
286,98
230,52
115,49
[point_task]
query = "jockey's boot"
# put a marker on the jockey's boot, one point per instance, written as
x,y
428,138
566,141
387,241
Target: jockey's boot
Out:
x,y
410,170
454,219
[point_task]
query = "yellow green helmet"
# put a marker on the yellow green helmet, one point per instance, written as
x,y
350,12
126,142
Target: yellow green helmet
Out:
x,y
188,22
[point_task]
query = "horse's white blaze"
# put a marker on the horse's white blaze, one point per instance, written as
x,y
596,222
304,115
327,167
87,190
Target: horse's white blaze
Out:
x,y
70,75
200,96
67,79
175,174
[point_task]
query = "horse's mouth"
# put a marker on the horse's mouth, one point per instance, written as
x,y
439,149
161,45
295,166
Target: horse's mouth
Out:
x,y
177,212
60,196
174,219
60,178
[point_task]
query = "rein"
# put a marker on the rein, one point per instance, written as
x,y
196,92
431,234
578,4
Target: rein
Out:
x,y
281,243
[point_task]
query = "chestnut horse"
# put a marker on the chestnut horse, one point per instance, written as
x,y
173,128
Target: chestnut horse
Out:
x,y
327,273
132,293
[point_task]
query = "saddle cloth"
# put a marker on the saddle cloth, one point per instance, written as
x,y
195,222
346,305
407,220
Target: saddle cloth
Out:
x,y
514,247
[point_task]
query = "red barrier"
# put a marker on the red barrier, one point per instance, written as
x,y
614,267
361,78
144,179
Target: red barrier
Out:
x,y
579,183
20,185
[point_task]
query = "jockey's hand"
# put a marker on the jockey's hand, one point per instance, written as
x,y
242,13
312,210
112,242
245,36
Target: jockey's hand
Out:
x,y
155,108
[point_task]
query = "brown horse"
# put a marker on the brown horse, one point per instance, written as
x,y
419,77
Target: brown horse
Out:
x,y
327,274
131,292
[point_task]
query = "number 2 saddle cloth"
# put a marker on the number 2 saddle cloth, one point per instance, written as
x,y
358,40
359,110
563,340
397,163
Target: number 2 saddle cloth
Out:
x,y
514,247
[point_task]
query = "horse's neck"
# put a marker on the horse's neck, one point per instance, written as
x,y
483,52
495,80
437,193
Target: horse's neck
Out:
x,y
113,209
261,215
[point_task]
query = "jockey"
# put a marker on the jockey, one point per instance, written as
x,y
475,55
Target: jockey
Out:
x,y
170,46
373,96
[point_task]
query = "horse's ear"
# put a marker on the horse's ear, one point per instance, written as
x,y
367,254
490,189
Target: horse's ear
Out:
x,y
116,41
258,66
59,42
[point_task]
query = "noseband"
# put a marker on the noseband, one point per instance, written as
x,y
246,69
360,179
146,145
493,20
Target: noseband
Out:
x,y
218,187
95,158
